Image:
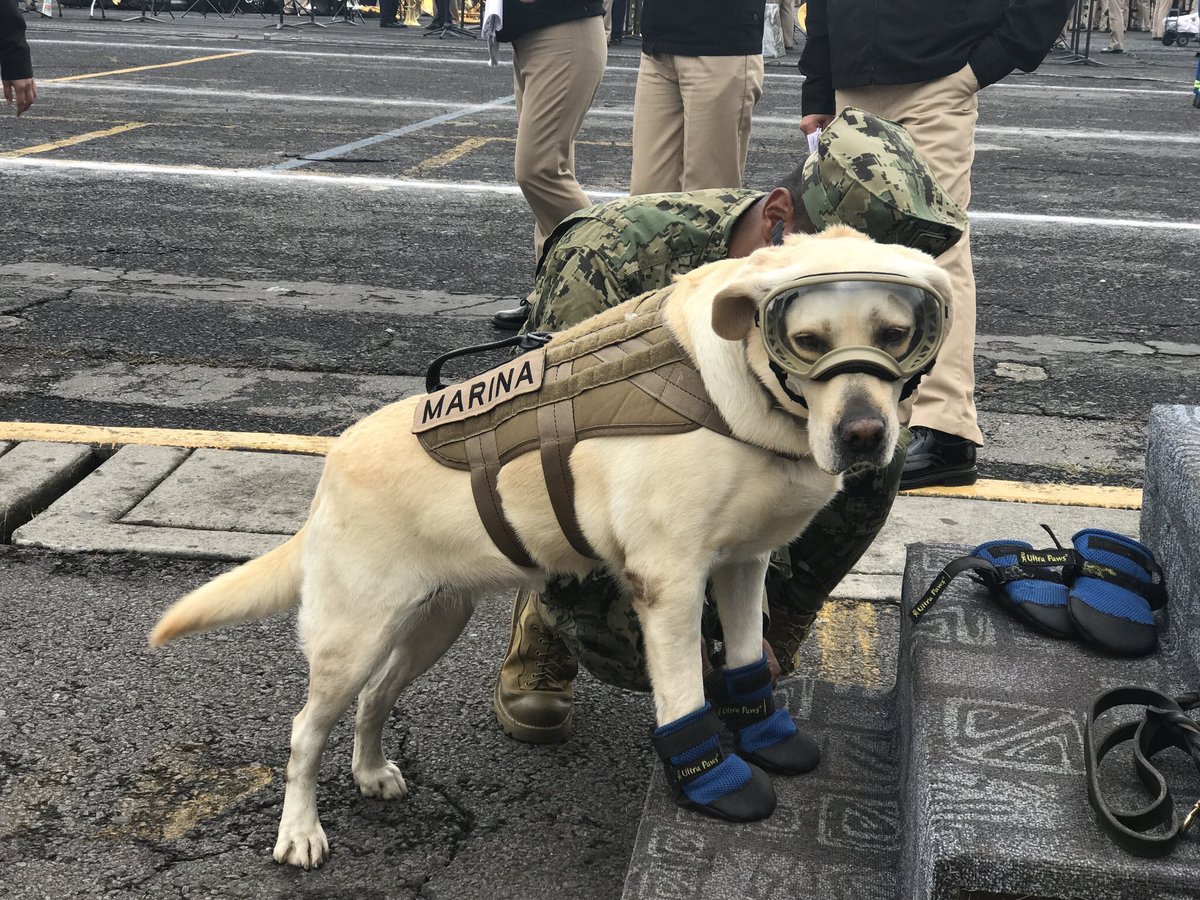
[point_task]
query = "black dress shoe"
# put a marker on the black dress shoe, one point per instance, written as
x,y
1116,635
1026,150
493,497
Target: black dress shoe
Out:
x,y
392,25
937,458
512,319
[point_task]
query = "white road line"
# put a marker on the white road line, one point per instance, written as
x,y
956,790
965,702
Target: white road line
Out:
x,y
470,61
1115,138
454,187
333,152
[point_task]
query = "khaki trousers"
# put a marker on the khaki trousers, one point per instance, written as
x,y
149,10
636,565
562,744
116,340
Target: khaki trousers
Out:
x,y
940,117
1161,8
787,18
691,121
1116,22
556,71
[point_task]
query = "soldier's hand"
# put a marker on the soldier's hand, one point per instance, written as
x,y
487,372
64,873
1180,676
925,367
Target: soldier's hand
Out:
x,y
23,91
811,123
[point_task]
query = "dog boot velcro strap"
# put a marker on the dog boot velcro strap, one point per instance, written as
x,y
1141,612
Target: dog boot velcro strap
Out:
x,y
701,777
765,736
1034,594
1117,587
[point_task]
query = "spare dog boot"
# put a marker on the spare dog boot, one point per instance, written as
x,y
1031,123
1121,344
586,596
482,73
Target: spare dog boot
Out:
x,y
1035,593
702,778
765,736
1117,588
535,690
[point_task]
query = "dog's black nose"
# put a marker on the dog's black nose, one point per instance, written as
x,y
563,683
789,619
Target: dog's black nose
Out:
x,y
861,433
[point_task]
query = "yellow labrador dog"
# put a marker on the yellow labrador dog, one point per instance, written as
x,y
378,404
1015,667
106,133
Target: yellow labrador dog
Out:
x,y
394,555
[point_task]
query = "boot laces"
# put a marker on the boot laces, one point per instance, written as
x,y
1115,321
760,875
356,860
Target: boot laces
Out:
x,y
549,663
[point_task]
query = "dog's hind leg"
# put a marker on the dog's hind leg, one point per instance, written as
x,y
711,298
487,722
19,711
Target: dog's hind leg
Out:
x,y
343,650
421,643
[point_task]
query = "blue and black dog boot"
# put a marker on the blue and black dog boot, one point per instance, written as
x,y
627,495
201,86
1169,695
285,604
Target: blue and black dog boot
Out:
x,y
1118,587
703,778
765,736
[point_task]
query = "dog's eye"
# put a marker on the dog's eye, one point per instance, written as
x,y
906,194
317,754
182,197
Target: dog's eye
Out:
x,y
810,343
894,335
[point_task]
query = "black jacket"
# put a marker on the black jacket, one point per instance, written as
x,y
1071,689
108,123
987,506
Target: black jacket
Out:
x,y
852,43
703,27
521,18
14,52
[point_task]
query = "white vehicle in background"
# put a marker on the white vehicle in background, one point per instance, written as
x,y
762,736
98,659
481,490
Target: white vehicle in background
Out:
x,y
1181,30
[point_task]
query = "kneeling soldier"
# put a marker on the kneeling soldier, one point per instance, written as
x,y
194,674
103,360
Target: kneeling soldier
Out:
x,y
867,174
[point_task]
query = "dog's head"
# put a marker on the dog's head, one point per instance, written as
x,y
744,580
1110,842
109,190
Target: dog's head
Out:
x,y
838,328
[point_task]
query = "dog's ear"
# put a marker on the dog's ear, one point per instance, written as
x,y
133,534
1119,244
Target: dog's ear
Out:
x,y
733,311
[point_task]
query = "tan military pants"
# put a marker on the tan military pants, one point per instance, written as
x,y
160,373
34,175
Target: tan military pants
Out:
x,y
556,71
787,18
1116,22
691,121
1161,8
940,117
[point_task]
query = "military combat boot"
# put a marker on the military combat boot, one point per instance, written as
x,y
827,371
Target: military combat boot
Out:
x,y
534,690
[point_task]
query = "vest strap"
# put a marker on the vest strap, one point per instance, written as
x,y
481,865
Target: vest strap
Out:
x,y
557,435
485,470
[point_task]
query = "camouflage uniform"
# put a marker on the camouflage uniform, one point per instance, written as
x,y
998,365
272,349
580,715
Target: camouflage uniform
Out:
x,y
866,174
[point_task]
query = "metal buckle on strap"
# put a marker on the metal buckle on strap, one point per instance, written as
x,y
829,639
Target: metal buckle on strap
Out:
x,y
1190,819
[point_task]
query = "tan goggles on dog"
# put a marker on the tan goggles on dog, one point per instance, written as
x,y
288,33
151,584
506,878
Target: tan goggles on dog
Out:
x,y
874,323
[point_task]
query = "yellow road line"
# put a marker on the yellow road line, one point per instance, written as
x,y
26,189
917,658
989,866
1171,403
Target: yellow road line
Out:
x,y
448,156
71,141
1092,495
1103,496
181,62
458,151
106,436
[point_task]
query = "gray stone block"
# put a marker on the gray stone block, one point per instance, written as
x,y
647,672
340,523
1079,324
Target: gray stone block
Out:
x,y
32,475
90,517
991,755
233,490
1171,513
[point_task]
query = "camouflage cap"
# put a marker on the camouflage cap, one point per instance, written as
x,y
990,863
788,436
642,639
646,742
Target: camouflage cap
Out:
x,y
866,173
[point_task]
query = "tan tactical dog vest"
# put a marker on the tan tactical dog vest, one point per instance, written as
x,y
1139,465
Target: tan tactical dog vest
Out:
x,y
625,376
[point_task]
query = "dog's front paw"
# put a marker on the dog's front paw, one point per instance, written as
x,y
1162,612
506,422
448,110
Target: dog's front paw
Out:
x,y
302,846
383,783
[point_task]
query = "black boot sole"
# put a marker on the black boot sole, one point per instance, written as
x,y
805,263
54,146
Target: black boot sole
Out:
x,y
941,478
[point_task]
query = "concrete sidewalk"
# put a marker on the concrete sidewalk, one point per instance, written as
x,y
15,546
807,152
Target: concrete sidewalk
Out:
x,y
198,501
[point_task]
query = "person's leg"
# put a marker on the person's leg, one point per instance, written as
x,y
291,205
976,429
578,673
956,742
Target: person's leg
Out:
x,y
560,67
657,128
787,19
1161,8
719,94
1116,25
618,21
387,12
940,117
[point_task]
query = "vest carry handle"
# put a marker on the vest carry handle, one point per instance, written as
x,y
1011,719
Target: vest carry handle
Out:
x,y
525,342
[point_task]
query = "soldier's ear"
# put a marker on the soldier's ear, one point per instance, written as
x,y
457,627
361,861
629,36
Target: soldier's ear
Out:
x,y
734,309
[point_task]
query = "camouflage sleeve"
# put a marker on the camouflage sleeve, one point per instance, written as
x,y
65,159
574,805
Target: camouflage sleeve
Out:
x,y
575,283
801,579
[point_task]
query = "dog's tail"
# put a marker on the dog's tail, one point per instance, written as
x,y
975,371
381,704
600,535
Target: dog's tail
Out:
x,y
266,586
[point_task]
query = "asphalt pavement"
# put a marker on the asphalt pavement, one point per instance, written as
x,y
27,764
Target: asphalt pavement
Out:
x,y
176,251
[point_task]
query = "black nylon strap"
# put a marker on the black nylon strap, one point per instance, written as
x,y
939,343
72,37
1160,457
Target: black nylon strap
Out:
x,y
1164,724
686,738
985,572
